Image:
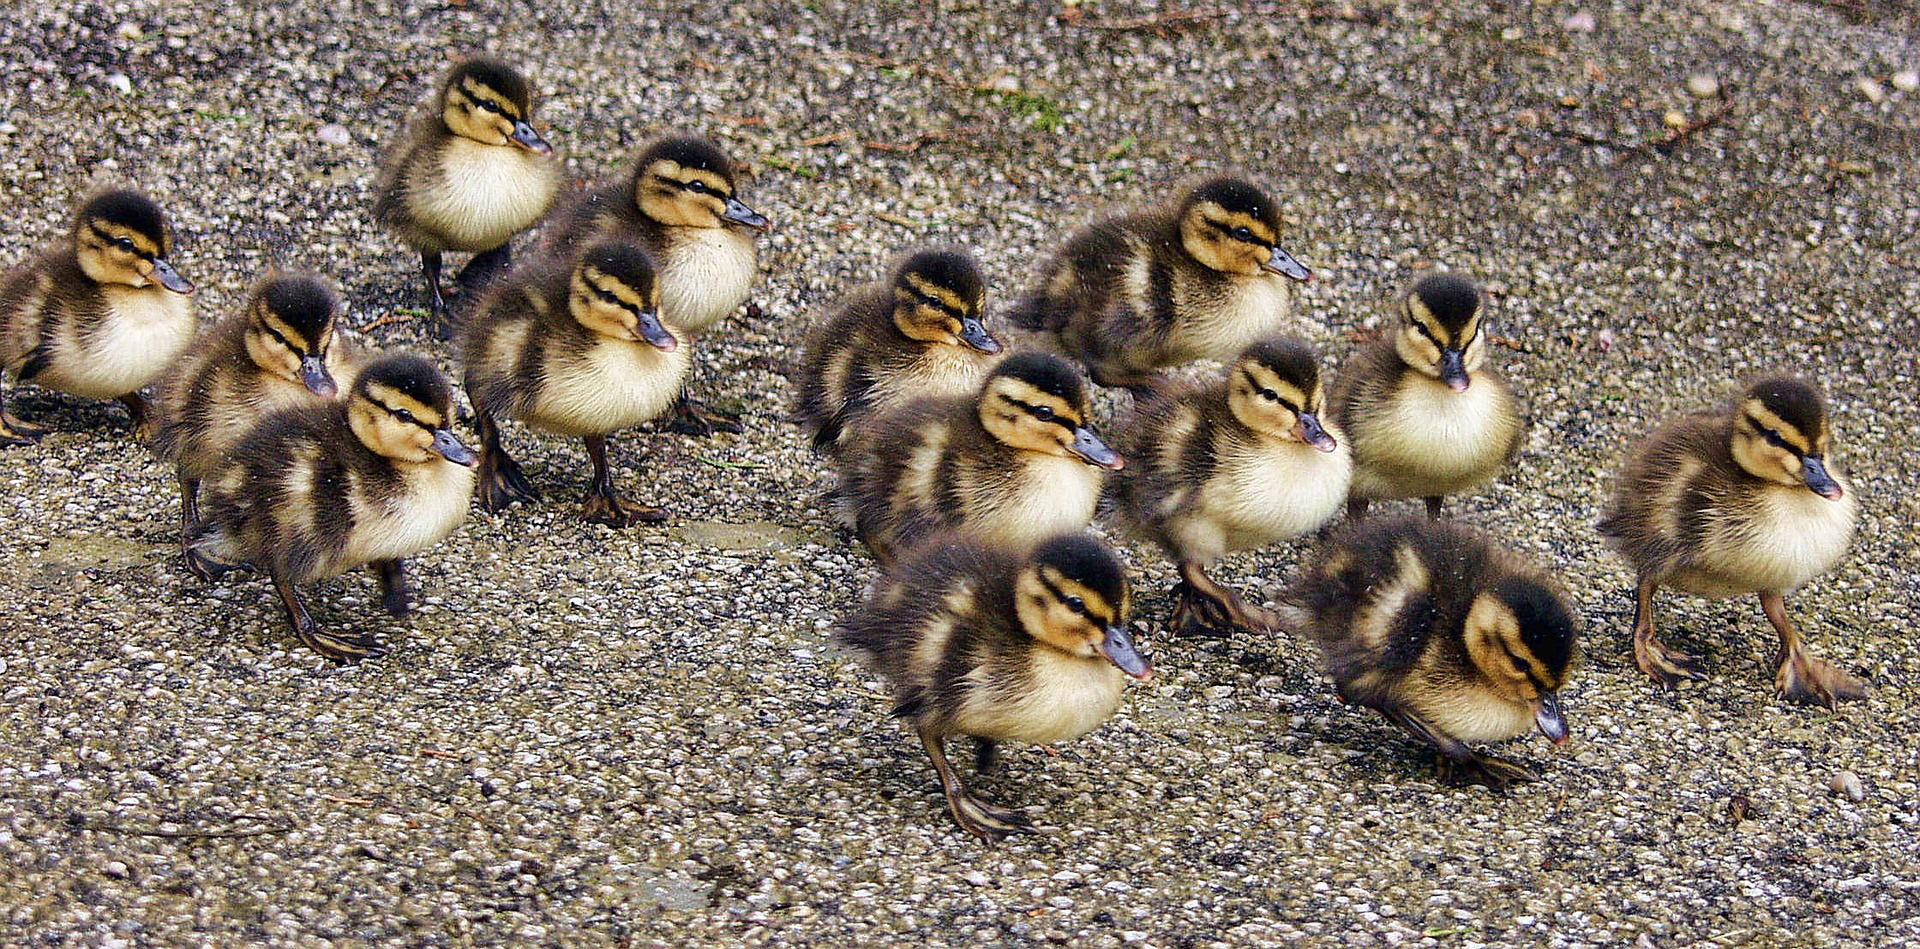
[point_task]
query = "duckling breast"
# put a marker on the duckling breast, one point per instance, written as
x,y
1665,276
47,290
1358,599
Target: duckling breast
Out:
x,y
425,503
1776,542
481,195
1049,495
1471,712
1275,490
1222,314
612,386
706,273
140,332
1053,697
1428,439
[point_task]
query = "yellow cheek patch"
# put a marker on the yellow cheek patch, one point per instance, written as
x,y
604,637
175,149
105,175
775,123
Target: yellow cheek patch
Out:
x,y
1762,417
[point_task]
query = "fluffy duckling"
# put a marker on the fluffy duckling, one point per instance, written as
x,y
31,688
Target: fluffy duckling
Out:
x,y
313,492
1424,415
979,641
917,334
1015,464
1446,634
1232,464
469,173
575,349
279,351
98,315
679,203
1200,278
1737,501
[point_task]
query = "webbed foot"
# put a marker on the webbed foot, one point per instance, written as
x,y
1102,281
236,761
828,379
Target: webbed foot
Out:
x,y
1803,678
340,647
692,418
986,821
610,510
1666,666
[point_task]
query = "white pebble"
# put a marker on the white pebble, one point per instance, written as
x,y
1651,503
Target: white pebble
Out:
x,y
1906,80
334,134
1580,22
1848,783
1006,84
120,83
977,878
1703,86
1871,89
116,869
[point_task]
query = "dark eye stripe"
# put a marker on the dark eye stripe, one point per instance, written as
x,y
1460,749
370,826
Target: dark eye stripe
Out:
x,y
297,351
1034,410
396,413
1060,596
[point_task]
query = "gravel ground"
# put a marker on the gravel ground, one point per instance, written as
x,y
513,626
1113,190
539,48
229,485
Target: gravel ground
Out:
x,y
641,737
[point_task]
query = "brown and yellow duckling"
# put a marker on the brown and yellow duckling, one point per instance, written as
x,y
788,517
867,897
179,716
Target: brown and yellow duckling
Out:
x,y
469,174
1448,635
679,202
1232,464
573,348
977,640
316,491
100,314
1014,464
1741,500
920,333
1423,413
279,351
1200,278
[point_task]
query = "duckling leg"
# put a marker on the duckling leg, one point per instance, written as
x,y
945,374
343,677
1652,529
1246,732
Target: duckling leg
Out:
x,y
687,417
1211,607
1433,508
395,593
1356,507
1459,763
986,751
1666,666
339,647
604,506
439,321
141,412
14,431
975,816
1803,678
501,482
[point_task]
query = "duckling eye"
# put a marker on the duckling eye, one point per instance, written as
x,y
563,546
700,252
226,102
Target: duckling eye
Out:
x,y
698,187
606,295
1773,438
1269,395
124,243
403,415
1076,604
1043,413
1241,234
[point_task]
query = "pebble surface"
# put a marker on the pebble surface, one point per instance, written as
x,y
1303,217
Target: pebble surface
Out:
x,y
643,738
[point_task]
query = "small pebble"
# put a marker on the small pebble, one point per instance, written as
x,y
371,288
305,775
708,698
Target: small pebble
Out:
x,y
1006,84
1906,80
1703,86
120,83
1871,89
1580,22
977,878
1674,119
116,869
1848,784
334,134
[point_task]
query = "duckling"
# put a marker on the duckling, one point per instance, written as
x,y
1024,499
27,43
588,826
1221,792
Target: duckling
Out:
x,y
314,491
1742,500
1424,415
1446,634
99,315
978,640
279,351
1232,464
469,173
1196,279
1016,463
679,203
575,349
919,333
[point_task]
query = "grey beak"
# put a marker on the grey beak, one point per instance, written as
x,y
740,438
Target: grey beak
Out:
x,y
314,375
741,214
1815,472
1118,648
450,448
1089,447
1547,717
974,334
1453,370
525,137
656,332
1308,430
170,278
1282,263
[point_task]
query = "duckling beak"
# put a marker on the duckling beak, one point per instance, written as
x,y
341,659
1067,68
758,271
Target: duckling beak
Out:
x,y
169,277
739,213
450,448
1282,263
1815,472
1118,648
976,335
1094,451
314,375
1547,717
1308,430
655,333
1453,370
525,137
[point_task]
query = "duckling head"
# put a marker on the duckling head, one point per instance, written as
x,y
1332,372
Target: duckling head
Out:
x,y
615,292
290,322
488,101
1232,227
401,407
1073,597
937,296
1442,334
685,181
1275,389
1781,434
1035,402
120,236
1520,636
